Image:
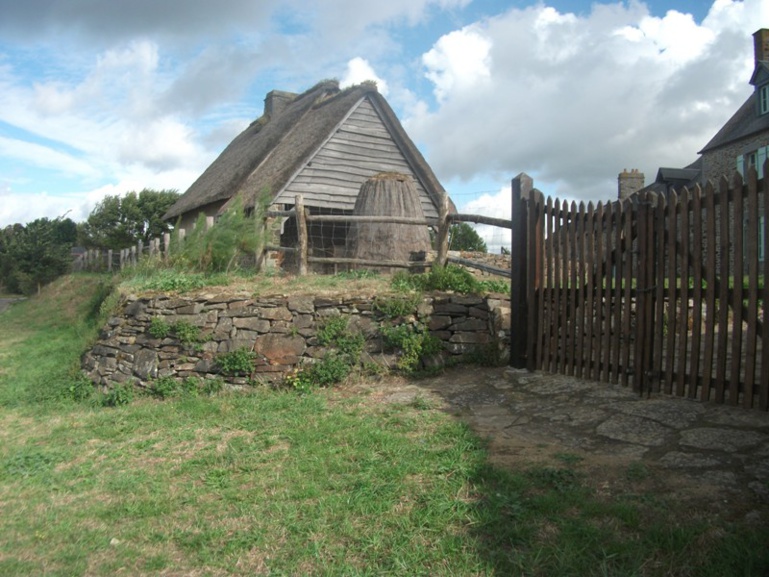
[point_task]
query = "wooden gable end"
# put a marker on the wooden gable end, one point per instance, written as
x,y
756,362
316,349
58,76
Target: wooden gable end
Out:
x,y
360,147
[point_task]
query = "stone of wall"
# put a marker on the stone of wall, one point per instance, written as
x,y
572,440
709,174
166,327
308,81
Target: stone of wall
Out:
x,y
722,161
281,330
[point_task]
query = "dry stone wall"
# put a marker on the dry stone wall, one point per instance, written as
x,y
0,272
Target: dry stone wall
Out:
x,y
280,330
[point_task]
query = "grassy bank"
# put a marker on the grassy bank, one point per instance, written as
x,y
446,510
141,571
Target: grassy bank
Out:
x,y
275,483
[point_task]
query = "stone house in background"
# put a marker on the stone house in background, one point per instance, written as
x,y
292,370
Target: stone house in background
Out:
x,y
742,142
323,144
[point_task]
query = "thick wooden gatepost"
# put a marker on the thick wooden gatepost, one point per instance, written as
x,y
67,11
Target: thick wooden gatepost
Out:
x,y
519,264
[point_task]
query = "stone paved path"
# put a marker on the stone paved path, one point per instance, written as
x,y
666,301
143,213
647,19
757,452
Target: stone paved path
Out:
x,y
683,447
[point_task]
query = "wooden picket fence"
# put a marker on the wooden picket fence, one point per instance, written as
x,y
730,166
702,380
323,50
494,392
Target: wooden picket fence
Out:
x,y
666,294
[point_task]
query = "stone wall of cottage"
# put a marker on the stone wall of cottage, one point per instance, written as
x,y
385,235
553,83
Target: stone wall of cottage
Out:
x,y
281,330
723,161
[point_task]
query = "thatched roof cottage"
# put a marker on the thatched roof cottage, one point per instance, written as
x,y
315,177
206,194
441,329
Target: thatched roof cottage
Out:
x,y
324,144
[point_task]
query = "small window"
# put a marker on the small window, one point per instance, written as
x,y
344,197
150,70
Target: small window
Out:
x,y
755,159
763,99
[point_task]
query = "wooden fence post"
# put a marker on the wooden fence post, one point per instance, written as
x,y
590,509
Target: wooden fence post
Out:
x,y
209,222
166,244
301,228
109,260
442,242
521,186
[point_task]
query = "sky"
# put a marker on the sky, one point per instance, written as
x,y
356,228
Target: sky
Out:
x,y
99,97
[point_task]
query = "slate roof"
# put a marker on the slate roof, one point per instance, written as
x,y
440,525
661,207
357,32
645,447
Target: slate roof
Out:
x,y
745,122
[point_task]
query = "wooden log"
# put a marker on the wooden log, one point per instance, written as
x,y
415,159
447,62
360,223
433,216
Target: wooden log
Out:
x,y
479,266
373,219
367,262
444,225
479,219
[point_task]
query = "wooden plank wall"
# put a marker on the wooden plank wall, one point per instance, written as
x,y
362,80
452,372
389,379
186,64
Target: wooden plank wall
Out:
x,y
359,149
661,294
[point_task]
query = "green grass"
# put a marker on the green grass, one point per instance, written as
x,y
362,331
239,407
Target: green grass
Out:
x,y
274,483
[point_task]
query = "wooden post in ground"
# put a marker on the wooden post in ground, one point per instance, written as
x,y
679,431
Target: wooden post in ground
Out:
x,y
442,241
109,260
521,186
166,244
301,228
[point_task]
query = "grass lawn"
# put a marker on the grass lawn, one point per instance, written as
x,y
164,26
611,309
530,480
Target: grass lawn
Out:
x,y
270,482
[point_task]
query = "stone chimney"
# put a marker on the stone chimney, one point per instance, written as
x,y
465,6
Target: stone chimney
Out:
x,y
761,45
276,101
629,182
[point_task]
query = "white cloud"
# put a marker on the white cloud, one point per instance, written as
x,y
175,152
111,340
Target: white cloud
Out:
x,y
359,70
458,62
572,100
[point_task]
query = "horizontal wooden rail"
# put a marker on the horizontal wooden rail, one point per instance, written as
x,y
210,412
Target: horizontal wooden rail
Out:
x,y
363,262
354,218
477,218
505,272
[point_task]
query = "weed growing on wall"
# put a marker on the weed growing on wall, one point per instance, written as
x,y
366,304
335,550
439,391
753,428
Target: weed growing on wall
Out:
x,y
187,333
345,347
397,306
237,363
413,341
159,328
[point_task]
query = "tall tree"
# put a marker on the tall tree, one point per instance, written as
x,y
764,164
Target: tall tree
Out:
x,y
121,221
462,236
35,254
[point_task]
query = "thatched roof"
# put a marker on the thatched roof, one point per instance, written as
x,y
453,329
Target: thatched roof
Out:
x,y
272,150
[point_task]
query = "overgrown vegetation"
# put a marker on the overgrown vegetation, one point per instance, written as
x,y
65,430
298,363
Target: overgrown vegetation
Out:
x,y
35,254
447,278
268,482
342,357
237,363
413,342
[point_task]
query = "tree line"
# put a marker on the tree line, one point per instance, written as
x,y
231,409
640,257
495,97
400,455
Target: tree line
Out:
x,y
36,253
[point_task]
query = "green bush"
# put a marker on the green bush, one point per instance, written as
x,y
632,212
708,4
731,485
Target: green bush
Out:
x,y
447,278
330,370
159,328
164,388
236,363
412,341
213,387
187,333
219,248
335,333
119,395
80,388
398,306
